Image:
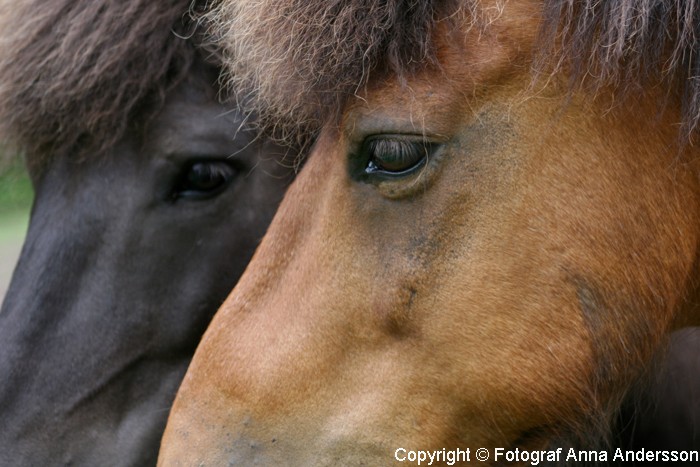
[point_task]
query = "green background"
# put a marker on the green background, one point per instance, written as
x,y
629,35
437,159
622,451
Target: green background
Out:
x,y
15,202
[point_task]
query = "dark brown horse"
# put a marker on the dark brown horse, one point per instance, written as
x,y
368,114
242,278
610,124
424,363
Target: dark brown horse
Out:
x,y
490,241
150,199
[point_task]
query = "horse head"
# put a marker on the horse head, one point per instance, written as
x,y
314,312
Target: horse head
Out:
x,y
486,247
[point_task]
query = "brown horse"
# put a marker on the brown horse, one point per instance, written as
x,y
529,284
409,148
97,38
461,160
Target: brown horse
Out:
x,y
492,237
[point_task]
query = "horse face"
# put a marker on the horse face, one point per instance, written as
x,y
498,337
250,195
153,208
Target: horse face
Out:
x,y
127,257
465,261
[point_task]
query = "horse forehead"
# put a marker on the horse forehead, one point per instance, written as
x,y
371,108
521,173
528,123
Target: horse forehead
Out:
x,y
500,42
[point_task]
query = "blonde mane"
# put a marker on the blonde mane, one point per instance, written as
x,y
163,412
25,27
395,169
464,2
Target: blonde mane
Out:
x,y
295,62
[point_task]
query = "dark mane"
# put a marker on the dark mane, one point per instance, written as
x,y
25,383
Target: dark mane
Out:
x,y
294,62
76,73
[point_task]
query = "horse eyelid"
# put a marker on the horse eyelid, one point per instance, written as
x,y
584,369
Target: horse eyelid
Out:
x,y
215,175
395,155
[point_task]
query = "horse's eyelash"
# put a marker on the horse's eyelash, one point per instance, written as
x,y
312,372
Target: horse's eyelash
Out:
x,y
403,149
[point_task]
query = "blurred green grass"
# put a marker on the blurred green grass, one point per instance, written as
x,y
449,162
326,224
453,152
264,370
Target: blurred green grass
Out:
x,y
13,225
16,192
16,196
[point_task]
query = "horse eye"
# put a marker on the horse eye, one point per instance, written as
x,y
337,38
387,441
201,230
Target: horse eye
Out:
x,y
393,156
203,180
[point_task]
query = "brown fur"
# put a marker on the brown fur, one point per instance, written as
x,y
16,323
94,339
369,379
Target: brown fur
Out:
x,y
629,44
546,260
298,61
76,73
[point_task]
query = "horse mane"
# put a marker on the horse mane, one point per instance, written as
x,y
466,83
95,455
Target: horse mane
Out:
x,y
628,44
77,73
295,62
